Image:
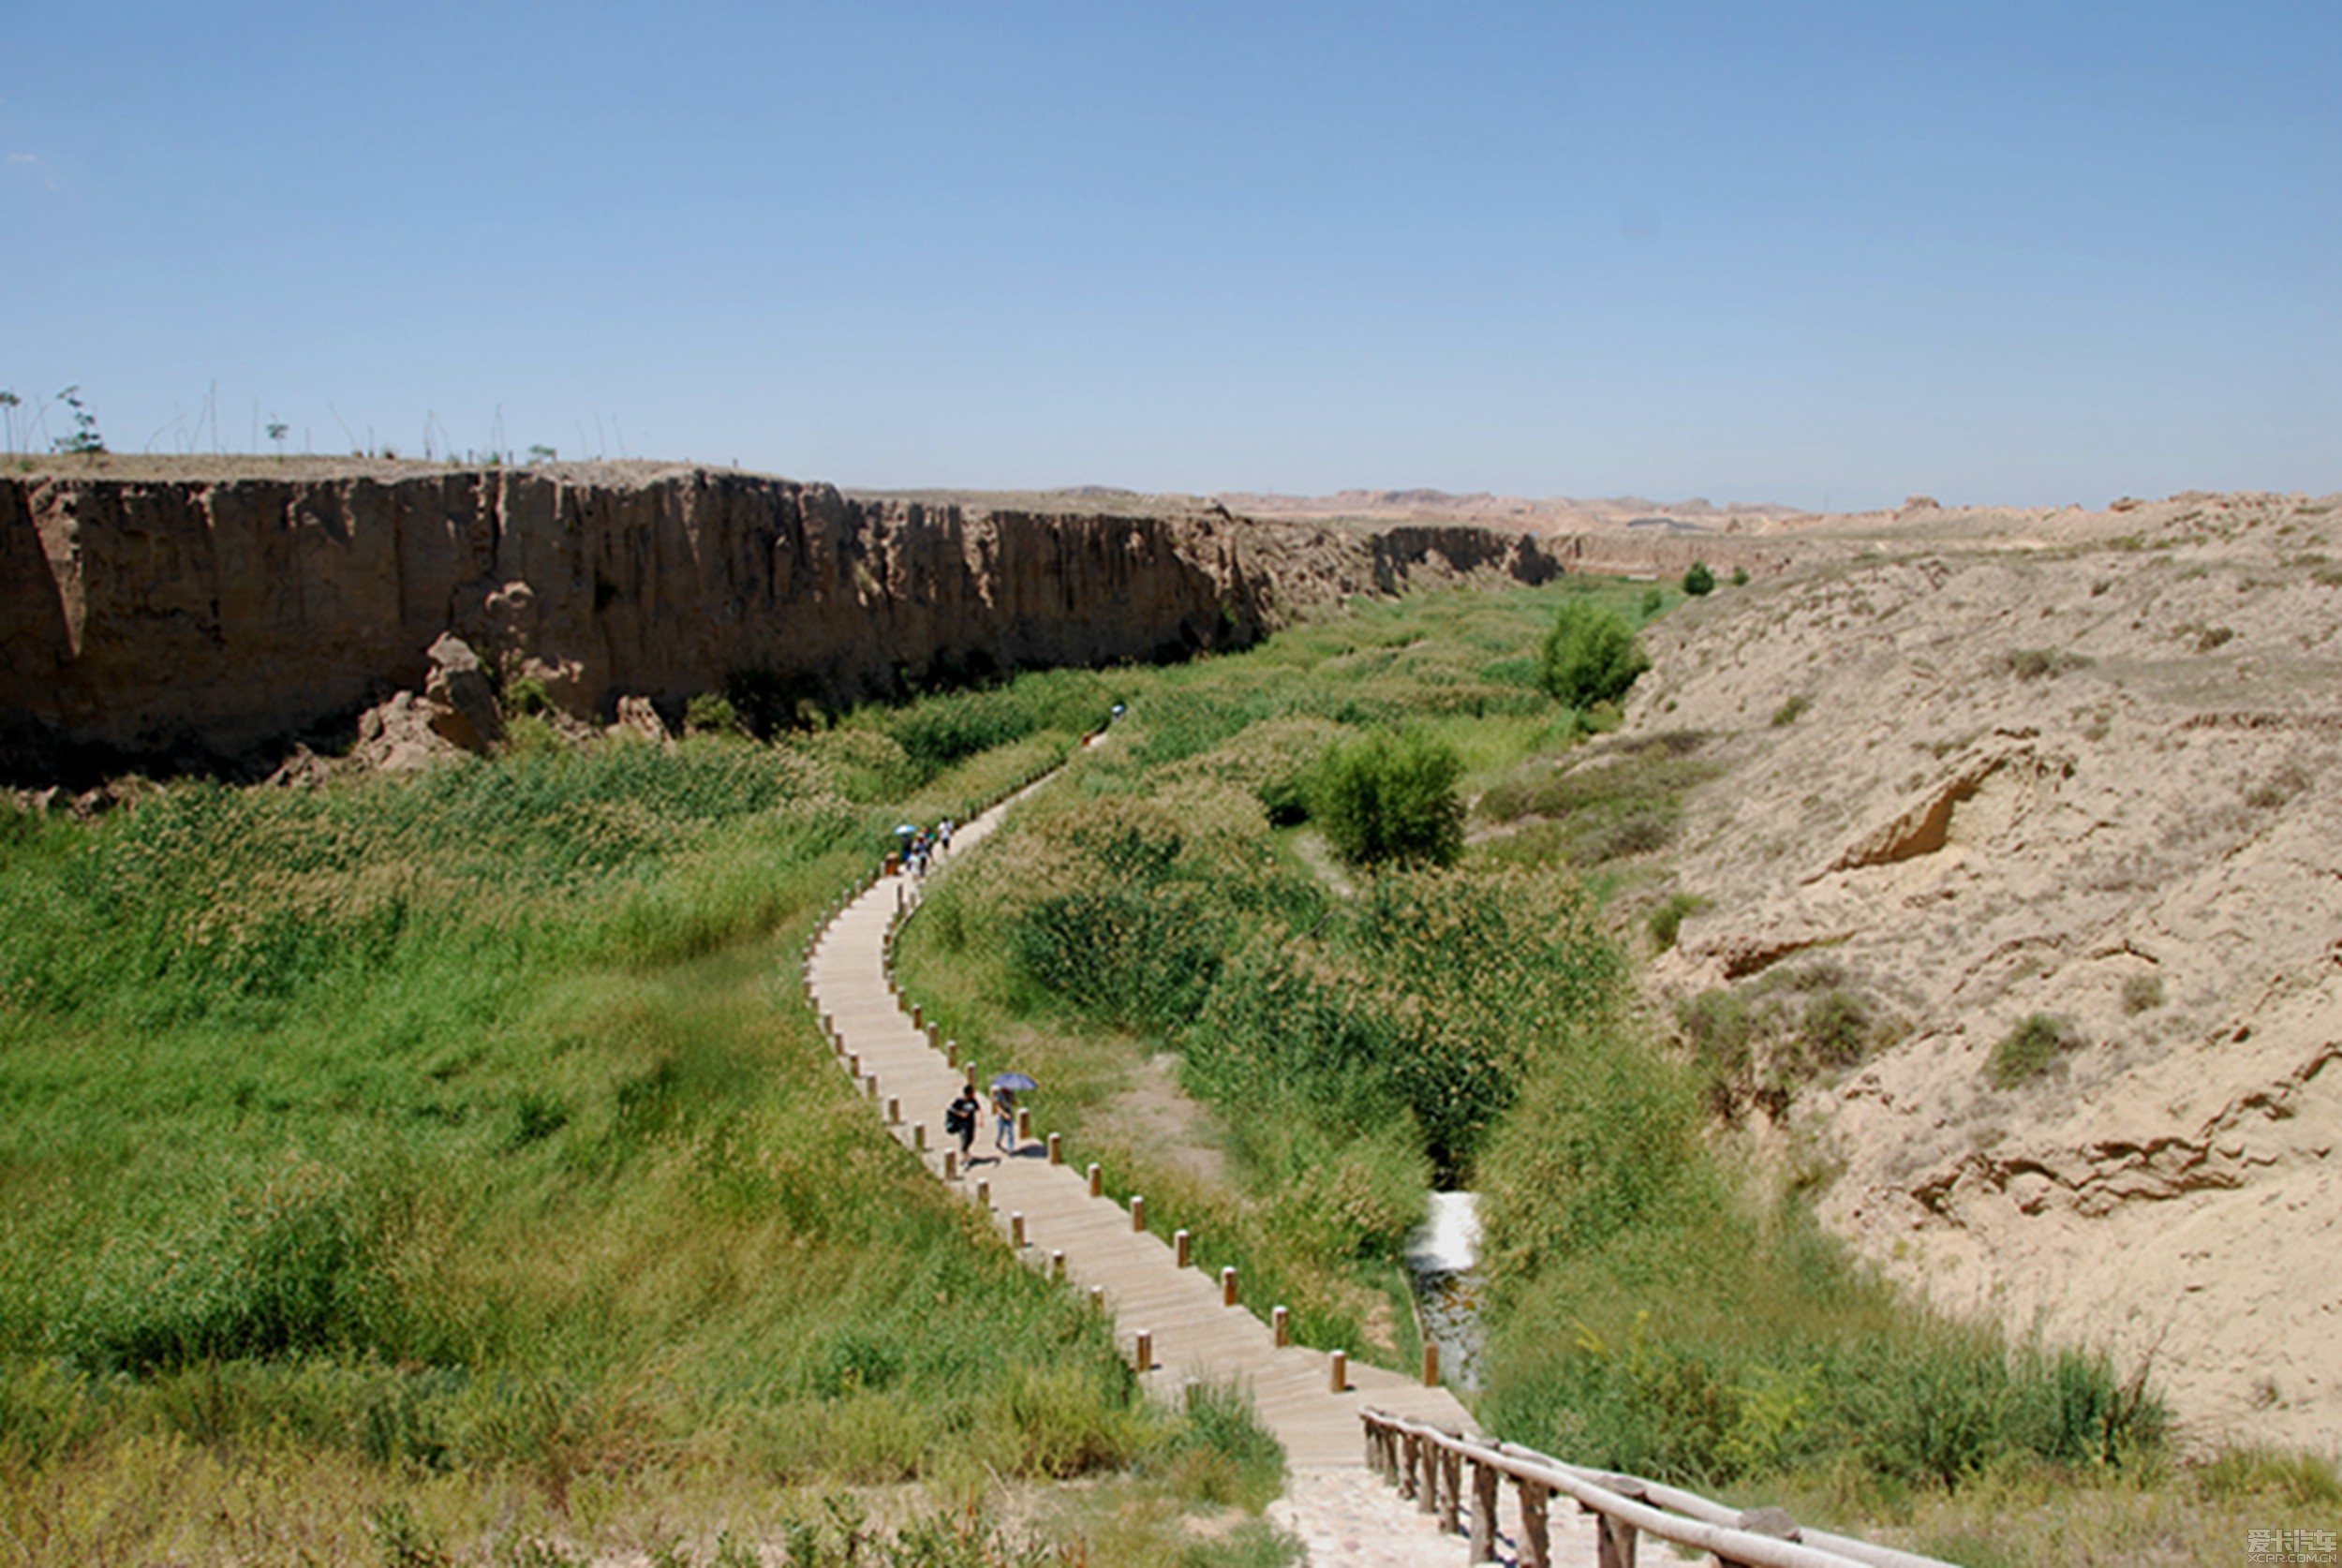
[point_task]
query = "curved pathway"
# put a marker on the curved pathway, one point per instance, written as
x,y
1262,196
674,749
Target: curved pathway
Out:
x,y
1344,1517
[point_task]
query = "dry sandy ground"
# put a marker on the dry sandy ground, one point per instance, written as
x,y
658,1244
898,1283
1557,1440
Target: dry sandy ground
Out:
x,y
2083,765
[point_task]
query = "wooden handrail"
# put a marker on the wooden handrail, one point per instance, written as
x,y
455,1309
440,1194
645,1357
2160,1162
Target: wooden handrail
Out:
x,y
1424,1462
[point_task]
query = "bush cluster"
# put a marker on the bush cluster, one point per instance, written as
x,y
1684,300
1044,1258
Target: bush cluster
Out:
x,y
1590,656
1390,799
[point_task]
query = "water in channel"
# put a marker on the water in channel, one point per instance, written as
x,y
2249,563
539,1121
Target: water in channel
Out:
x,y
1444,1257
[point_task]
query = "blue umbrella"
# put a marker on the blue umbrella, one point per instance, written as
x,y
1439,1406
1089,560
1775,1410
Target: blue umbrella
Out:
x,y
1016,1082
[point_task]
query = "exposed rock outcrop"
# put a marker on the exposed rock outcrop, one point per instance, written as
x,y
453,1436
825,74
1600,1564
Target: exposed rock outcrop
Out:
x,y
186,619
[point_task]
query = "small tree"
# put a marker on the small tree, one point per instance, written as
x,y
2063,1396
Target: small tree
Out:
x,y
1391,799
1700,580
1590,656
1740,577
85,440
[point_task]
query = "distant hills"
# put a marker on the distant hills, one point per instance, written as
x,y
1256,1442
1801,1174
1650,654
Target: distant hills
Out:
x,y
1545,515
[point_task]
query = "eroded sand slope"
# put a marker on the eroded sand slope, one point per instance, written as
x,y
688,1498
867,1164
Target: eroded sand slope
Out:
x,y
2081,764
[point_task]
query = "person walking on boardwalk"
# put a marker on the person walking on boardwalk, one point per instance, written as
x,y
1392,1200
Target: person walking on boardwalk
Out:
x,y
1003,1117
1005,1088
961,1119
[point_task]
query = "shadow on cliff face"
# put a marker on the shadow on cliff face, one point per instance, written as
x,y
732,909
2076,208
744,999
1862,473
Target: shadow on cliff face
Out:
x,y
34,757
220,625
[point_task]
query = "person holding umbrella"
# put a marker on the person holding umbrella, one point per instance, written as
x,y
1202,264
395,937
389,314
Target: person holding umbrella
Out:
x,y
1006,1089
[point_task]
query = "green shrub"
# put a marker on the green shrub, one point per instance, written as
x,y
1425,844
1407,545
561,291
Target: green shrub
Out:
x,y
1654,600
2027,1050
711,714
1698,581
1788,713
1740,577
1392,800
527,695
1669,917
1590,656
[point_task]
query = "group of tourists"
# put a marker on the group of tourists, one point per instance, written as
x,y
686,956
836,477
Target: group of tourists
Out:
x,y
920,846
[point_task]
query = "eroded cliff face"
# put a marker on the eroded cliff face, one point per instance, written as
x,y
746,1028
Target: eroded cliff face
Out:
x,y
193,620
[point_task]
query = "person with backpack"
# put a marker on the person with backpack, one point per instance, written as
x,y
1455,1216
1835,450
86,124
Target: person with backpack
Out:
x,y
960,1118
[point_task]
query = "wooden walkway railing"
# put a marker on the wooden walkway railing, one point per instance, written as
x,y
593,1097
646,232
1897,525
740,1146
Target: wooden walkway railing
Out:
x,y
1430,1465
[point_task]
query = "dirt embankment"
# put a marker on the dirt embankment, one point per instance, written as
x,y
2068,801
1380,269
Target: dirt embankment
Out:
x,y
160,613
2086,766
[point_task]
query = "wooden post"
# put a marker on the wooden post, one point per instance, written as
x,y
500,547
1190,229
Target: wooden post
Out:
x,y
1536,1544
951,1164
1484,1481
1138,1212
1614,1543
1228,1287
919,1136
1024,1124
1431,1364
951,1052
1451,1485
894,1110
1143,1353
935,1037
918,1017
1097,1180
870,1087
1337,1373
984,1192
853,1065
1281,1322
1016,1229
1179,1249
1056,1264
1410,1453
1098,1297
1057,1149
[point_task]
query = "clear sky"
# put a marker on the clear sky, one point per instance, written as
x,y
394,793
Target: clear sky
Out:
x,y
1816,254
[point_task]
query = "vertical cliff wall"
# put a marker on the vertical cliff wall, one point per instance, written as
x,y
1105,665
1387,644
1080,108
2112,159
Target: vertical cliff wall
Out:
x,y
188,620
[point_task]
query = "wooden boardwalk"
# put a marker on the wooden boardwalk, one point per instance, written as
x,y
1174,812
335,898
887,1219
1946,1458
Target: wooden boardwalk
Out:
x,y
1194,1334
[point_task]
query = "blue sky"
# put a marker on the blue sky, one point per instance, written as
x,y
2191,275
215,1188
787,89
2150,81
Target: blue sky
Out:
x,y
1814,254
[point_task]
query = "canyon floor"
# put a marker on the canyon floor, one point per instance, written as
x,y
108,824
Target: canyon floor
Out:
x,y
1976,768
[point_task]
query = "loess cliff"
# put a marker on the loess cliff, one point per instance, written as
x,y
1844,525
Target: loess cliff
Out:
x,y
161,614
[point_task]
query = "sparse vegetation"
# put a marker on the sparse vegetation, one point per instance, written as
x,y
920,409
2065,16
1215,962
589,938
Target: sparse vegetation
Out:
x,y
1788,712
2033,664
2028,1050
1756,1046
1667,919
2143,993
1698,581
1601,807
84,441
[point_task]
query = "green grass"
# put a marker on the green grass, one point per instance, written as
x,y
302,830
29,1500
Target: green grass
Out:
x,y
1652,1309
468,1126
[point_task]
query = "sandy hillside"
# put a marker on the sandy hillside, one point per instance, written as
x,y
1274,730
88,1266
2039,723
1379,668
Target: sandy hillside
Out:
x,y
2080,765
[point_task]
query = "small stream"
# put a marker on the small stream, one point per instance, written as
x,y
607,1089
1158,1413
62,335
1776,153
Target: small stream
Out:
x,y
1444,1256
